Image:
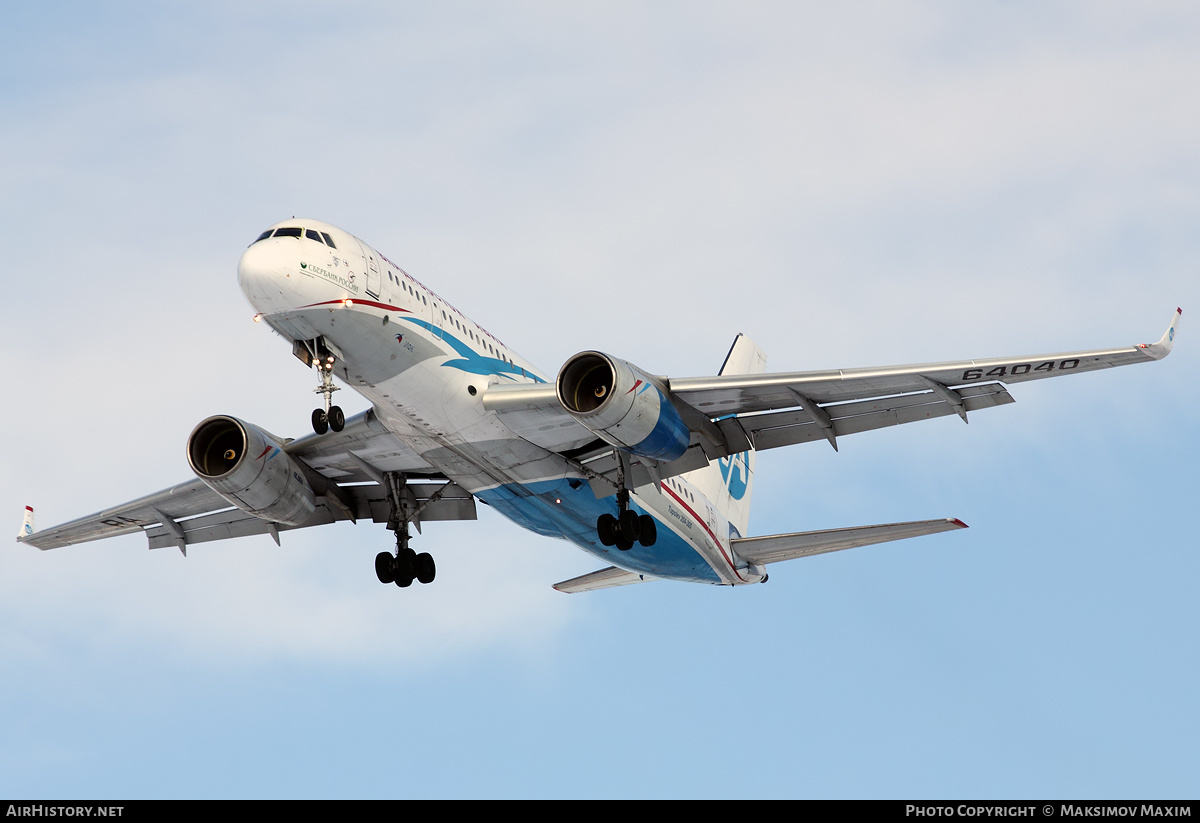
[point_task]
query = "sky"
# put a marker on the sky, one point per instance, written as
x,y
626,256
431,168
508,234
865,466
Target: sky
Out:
x,y
850,184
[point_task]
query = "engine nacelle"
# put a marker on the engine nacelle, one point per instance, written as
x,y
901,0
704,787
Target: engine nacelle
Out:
x,y
622,405
249,468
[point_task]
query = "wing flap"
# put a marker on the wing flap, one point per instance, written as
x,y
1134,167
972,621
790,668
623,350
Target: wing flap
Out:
x,y
427,501
228,524
775,429
430,502
779,547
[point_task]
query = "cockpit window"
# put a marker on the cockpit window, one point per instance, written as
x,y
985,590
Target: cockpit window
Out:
x,y
297,231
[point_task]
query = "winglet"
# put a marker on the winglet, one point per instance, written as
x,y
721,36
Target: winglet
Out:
x,y
26,524
1162,348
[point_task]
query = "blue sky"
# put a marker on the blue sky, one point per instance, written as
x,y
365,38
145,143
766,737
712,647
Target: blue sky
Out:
x,y
861,185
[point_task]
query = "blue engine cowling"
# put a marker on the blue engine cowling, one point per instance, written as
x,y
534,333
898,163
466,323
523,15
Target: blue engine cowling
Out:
x,y
622,406
249,468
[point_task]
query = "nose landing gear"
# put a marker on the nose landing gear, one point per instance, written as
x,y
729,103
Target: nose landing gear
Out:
x,y
330,417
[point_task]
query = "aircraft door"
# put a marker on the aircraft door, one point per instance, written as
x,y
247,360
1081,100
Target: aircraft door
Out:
x,y
371,267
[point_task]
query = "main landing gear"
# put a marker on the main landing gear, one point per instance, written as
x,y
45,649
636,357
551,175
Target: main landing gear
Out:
x,y
627,528
405,565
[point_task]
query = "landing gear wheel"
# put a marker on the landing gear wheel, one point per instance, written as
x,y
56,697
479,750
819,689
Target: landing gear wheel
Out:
x,y
406,562
426,569
385,567
606,529
624,545
628,527
647,530
337,420
320,421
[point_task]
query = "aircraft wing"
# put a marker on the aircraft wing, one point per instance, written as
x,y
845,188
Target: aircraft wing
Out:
x,y
358,455
728,414
779,409
604,579
779,547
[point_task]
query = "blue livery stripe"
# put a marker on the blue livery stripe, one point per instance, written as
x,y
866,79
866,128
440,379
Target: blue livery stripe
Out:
x,y
533,507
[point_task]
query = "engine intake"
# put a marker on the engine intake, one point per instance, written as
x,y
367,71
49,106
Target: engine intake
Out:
x,y
249,468
621,404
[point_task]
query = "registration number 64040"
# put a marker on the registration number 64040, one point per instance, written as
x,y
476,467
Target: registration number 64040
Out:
x,y
1021,368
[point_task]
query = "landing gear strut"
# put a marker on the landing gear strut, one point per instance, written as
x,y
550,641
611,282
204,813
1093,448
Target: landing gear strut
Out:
x,y
627,527
330,417
406,565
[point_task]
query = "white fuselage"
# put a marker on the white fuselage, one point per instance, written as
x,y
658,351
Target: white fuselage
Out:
x,y
425,366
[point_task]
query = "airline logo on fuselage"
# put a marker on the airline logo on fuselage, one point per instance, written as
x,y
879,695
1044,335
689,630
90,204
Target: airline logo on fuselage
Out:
x,y
345,282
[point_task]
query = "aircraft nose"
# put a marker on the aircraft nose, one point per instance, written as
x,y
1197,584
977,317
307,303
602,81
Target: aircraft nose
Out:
x,y
267,277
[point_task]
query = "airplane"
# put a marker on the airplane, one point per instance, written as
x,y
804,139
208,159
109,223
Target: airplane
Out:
x,y
651,474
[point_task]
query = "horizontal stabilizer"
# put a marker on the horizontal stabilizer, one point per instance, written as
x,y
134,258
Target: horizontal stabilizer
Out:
x,y
603,579
779,547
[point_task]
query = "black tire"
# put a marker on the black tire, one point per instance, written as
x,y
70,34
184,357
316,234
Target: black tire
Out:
x,y
406,569
628,528
384,567
320,421
624,545
647,530
337,419
426,568
606,529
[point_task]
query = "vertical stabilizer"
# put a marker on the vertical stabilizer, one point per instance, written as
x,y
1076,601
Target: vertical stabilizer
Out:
x,y
728,482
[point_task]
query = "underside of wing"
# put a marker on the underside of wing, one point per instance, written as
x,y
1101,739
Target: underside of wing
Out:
x,y
533,412
731,413
184,500
428,501
359,456
779,547
603,579
359,452
743,394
